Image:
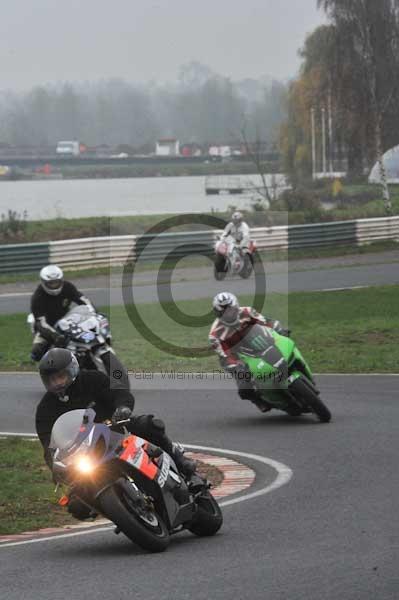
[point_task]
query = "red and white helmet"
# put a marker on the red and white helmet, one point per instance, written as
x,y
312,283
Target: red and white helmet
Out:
x,y
52,280
227,308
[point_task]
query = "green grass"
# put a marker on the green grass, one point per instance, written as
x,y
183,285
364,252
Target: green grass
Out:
x,y
27,499
354,331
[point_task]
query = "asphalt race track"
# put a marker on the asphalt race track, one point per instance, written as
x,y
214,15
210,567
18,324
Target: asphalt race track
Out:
x,y
330,533
187,284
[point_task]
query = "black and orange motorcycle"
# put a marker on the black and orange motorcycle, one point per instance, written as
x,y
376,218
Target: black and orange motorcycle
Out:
x,y
130,481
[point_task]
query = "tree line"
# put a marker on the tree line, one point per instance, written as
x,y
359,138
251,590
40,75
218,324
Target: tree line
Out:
x,y
202,107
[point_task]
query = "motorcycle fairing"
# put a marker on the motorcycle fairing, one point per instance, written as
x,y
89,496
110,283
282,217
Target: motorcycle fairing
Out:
x,y
134,453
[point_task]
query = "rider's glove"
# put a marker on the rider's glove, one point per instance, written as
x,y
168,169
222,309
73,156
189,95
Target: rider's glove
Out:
x,y
285,332
59,340
122,413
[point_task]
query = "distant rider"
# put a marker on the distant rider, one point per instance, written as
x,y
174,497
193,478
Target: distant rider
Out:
x,y
70,388
230,327
239,231
49,303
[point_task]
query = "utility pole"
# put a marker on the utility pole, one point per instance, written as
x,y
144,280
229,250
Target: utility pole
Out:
x,y
330,140
323,133
313,144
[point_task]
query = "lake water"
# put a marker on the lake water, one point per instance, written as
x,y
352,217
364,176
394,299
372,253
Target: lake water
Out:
x,y
70,198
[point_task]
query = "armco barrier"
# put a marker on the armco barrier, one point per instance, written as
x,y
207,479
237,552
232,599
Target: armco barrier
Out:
x,y
94,251
22,258
175,245
116,250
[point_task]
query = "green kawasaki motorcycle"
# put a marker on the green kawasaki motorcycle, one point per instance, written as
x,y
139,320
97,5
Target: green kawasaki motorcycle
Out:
x,y
280,373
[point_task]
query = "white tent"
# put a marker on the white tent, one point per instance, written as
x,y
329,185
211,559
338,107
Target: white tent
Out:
x,y
391,163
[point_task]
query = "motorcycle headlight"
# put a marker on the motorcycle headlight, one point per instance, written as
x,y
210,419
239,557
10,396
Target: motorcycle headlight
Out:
x,y
84,464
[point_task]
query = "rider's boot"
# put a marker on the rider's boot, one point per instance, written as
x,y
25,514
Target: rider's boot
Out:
x,y
185,465
249,392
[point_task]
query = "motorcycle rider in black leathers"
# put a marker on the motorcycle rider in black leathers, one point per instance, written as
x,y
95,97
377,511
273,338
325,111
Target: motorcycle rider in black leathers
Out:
x,y
69,388
49,303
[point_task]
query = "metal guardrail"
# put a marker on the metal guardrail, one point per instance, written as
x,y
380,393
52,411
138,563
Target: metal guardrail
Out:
x,y
93,251
171,246
374,230
22,258
117,250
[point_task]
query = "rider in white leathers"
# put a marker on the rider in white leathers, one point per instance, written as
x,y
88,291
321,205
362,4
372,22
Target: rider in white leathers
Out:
x,y
239,231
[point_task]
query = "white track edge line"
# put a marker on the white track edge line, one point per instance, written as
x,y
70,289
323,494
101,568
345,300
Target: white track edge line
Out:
x,y
283,477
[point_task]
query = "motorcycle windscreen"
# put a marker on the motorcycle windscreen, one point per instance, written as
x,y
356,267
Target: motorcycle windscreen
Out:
x,y
257,340
69,426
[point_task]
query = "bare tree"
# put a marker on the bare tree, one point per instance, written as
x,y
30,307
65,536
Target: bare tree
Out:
x,y
255,151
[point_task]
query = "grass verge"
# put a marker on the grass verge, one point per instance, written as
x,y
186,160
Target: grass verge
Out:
x,y
27,499
352,331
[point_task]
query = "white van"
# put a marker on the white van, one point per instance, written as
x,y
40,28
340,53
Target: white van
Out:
x,y
68,148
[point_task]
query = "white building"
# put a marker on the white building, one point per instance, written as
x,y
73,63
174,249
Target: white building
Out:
x,y
167,147
223,151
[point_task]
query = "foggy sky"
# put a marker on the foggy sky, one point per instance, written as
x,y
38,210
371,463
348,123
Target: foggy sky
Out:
x,y
47,41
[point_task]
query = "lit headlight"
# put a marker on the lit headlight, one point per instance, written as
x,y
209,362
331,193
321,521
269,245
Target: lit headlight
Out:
x,y
84,464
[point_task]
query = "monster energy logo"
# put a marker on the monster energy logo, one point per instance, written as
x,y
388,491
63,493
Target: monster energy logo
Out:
x,y
258,343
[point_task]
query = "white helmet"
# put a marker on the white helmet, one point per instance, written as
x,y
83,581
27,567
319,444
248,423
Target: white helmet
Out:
x,y
52,280
227,308
237,218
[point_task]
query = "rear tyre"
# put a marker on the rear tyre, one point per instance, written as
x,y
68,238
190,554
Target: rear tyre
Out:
x,y
147,531
209,518
305,393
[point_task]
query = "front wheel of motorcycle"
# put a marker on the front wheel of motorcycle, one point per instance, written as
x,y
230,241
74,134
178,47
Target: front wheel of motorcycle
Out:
x,y
247,267
209,519
300,389
146,529
219,267
219,275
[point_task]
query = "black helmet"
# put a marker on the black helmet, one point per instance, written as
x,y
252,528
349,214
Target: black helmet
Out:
x,y
58,369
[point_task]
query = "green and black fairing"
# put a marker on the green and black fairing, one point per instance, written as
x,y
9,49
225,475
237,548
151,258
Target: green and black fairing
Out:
x,y
275,364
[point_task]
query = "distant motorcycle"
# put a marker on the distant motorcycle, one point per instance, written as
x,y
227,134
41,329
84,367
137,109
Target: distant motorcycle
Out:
x,y
88,336
130,481
229,258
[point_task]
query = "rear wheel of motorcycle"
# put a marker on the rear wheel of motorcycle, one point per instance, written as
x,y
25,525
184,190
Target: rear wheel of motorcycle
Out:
x,y
300,389
209,518
151,533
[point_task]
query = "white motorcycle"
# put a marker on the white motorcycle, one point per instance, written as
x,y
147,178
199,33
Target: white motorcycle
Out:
x,y
229,258
87,334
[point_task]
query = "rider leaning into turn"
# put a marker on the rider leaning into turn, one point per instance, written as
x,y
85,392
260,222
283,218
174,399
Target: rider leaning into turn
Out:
x,y
49,303
239,231
231,325
70,388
